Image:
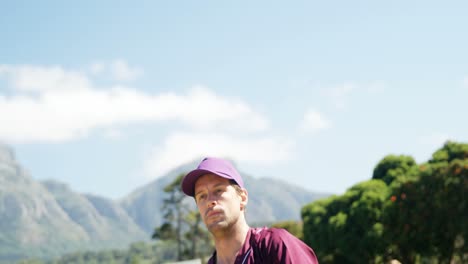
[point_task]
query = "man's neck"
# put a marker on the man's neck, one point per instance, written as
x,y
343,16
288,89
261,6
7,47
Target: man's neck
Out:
x,y
230,242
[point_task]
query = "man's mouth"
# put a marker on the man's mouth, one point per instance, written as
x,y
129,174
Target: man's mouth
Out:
x,y
212,213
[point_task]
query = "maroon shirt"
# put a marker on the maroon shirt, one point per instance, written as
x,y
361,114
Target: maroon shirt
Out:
x,y
271,246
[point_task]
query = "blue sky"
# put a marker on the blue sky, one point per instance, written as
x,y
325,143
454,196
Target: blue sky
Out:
x,y
109,95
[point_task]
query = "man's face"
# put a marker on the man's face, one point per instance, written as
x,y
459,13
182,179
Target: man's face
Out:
x,y
218,202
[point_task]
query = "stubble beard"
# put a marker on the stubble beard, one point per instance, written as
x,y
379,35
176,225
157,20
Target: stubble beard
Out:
x,y
222,227
218,225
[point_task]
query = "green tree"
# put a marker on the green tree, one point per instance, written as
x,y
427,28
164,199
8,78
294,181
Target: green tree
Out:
x,y
449,152
198,236
181,224
404,221
135,259
347,228
426,216
164,232
392,167
315,217
174,212
449,202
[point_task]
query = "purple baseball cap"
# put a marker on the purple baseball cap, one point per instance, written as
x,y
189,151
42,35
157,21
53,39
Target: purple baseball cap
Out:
x,y
217,166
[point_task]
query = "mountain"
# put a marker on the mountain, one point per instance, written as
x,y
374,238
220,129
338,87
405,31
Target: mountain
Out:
x,y
145,203
48,218
30,215
102,219
272,200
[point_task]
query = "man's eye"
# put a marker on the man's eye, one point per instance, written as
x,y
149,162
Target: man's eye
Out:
x,y
201,197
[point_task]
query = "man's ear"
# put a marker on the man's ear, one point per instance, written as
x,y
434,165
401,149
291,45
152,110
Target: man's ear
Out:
x,y
244,199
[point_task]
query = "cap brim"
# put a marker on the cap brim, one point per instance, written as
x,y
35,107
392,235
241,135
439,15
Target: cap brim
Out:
x,y
188,183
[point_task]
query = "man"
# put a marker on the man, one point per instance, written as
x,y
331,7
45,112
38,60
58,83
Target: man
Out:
x,y
221,199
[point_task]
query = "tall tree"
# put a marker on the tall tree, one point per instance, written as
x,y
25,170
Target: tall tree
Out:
x,y
182,224
174,211
198,236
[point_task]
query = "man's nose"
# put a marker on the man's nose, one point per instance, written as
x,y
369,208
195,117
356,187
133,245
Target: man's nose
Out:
x,y
211,200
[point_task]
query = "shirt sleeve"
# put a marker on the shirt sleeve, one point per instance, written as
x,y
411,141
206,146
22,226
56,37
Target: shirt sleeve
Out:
x,y
283,248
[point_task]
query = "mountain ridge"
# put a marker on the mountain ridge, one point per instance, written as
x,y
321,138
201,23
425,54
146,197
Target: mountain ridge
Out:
x,y
48,218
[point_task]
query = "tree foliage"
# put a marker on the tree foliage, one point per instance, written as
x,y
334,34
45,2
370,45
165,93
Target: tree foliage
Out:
x,y
392,167
140,252
333,224
410,212
428,216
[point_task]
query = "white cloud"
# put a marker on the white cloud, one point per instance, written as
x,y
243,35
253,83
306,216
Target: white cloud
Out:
x,y
465,82
202,108
314,121
66,106
119,70
27,78
180,148
122,72
113,134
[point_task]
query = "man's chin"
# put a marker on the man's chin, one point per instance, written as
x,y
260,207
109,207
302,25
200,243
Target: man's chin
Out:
x,y
218,226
